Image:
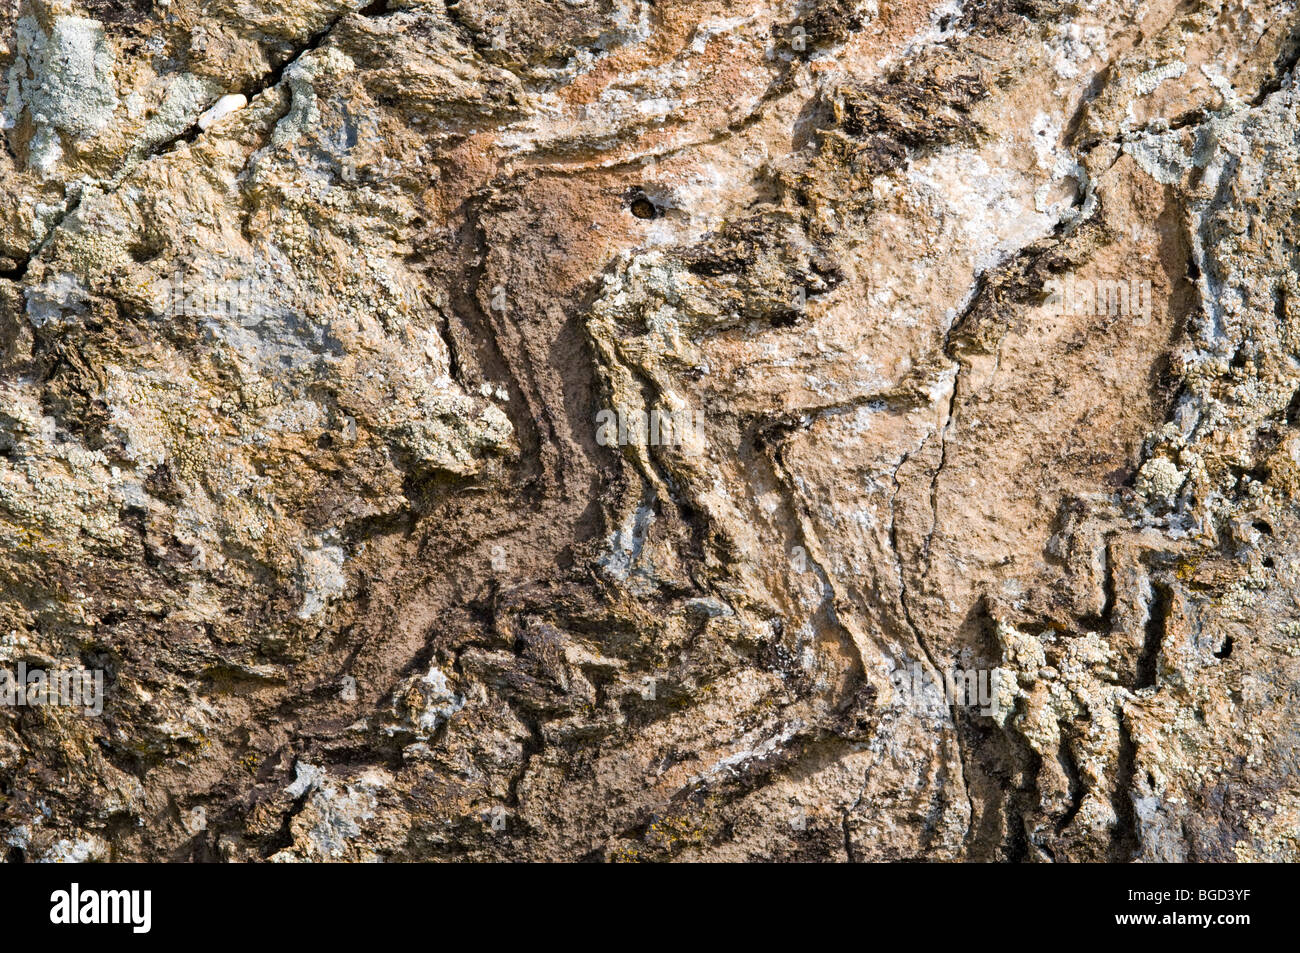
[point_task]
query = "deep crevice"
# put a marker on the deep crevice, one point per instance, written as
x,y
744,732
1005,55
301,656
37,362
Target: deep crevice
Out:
x,y
1070,764
1158,610
1126,840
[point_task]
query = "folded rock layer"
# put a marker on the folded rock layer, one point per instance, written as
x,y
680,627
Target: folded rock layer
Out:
x,y
651,429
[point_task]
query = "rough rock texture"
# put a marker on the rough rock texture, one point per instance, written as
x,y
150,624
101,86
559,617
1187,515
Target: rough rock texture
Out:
x,y
980,323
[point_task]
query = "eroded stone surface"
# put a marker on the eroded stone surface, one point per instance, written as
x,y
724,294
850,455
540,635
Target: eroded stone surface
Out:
x,y
972,326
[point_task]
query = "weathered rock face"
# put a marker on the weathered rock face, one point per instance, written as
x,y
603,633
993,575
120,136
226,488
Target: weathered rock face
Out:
x,y
615,429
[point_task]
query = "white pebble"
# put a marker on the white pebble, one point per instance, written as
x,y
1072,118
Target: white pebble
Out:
x,y
222,108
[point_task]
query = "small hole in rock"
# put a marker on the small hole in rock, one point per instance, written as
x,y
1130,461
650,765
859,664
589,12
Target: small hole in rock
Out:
x,y
642,207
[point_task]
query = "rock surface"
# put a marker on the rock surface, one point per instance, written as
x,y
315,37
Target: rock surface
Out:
x,y
512,429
